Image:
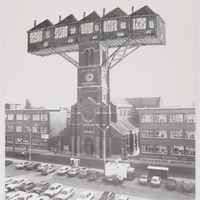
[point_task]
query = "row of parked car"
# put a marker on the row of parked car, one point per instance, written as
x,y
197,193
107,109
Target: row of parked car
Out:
x,y
23,189
170,183
45,168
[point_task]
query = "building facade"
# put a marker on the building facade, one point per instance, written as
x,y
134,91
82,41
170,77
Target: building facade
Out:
x,y
20,123
167,133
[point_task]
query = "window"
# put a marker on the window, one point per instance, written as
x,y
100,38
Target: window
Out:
x,y
96,27
70,40
36,117
9,140
72,30
147,118
123,25
19,129
190,135
88,128
47,34
147,133
160,150
19,117
160,118
18,140
177,134
43,142
86,56
87,28
36,142
61,32
43,130
9,128
124,112
110,26
177,150
177,118
151,24
139,23
35,129
44,117
148,149
160,134
10,116
121,113
190,151
46,44
91,56
25,141
190,118
27,117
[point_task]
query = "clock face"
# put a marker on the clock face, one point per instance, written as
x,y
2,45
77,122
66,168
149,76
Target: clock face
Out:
x,y
89,77
88,113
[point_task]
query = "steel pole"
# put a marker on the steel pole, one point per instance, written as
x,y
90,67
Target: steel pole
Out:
x,y
104,150
30,146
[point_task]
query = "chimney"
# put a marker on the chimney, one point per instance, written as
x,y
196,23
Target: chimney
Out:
x,y
104,12
59,18
132,9
83,14
34,23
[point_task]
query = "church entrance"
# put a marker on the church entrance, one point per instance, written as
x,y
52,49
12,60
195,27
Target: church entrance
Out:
x,y
88,146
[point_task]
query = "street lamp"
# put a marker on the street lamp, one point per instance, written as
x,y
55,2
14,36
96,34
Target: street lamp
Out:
x,y
29,129
104,143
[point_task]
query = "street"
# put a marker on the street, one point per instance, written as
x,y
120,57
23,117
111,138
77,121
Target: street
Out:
x,y
131,188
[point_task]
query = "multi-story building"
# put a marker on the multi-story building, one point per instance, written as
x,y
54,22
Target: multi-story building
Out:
x,y
167,133
40,123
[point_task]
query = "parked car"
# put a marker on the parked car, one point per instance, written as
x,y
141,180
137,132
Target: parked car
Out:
x,y
86,195
15,183
143,180
8,180
26,186
12,195
66,194
107,195
41,187
74,171
124,197
26,196
53,190
187,186
41,198
113,179
22,165
49,169
94,175
63,170
42,166
156,181
84,172
8,162
171,184
32,165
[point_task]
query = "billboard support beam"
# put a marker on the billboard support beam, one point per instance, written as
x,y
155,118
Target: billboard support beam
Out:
x,y
67,57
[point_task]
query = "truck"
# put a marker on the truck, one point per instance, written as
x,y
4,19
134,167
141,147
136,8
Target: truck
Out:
x,y
123,170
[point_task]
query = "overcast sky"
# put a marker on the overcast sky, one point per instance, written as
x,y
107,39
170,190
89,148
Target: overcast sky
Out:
x,y
166,71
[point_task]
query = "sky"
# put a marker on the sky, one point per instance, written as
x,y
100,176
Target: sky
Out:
x,y
167,71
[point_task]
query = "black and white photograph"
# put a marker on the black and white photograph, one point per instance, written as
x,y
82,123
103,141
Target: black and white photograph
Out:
x,y
99,99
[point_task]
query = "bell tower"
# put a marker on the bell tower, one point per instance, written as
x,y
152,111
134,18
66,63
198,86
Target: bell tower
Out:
x,y
92,109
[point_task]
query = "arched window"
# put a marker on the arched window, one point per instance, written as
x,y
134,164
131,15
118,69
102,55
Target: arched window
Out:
x,y
86,55
91,56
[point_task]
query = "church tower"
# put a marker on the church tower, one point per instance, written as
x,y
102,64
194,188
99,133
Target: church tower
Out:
x,y
91,114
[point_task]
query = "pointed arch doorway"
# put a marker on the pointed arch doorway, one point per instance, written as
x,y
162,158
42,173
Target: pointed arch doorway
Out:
x,y
88,146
